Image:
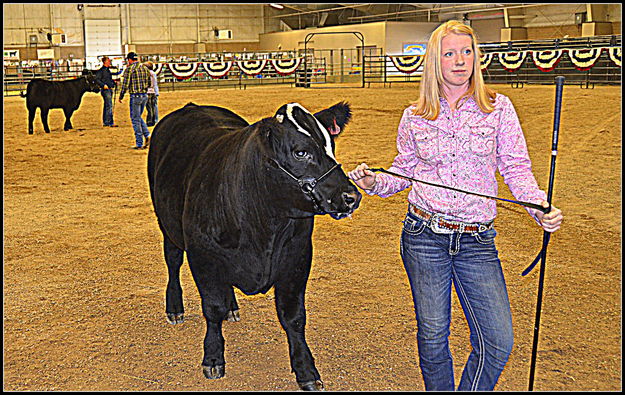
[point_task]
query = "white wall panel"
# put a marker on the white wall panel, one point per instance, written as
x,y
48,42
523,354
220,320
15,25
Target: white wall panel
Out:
x,y
103,37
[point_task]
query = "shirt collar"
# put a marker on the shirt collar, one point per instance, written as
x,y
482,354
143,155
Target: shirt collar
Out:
x,y
467,104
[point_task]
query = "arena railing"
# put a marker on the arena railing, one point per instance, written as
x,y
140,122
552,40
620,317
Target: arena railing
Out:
x,y
15,77
583,61
602,65
324,66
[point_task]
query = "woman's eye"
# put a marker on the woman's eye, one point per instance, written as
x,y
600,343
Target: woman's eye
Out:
x,y
300,154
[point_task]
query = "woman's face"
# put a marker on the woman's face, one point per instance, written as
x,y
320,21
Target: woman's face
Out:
x,y
457,59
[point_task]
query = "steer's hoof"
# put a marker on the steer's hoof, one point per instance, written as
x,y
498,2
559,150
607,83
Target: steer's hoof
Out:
x,y
175,318
233,316
214,372
316,385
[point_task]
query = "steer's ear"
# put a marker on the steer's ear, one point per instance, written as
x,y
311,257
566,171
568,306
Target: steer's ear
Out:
x,y
335,118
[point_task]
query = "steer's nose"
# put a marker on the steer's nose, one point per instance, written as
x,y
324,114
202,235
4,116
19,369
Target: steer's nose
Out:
x,y
351,199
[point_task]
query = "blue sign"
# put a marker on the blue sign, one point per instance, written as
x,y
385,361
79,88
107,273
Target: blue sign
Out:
x,y
414,49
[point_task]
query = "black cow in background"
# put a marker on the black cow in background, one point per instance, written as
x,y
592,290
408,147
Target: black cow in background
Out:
x,y
57,94
240,200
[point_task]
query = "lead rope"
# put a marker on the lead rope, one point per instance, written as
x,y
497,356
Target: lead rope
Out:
x,y
526,204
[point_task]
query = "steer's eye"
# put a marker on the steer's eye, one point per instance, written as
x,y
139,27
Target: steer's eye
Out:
x,y
300,154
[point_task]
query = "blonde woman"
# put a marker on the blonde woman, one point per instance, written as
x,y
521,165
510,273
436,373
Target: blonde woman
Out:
x,y
459,133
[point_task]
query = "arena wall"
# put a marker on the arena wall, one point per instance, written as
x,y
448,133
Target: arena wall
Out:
x,y
147,28
178,28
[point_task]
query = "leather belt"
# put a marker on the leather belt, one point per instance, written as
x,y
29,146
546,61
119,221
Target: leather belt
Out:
x,y
440,225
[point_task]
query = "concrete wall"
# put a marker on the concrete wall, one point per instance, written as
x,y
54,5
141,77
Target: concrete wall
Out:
x,y
400,33
389,36
374,35
163,28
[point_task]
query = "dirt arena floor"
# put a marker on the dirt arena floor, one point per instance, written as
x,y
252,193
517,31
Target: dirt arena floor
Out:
x,y
84,275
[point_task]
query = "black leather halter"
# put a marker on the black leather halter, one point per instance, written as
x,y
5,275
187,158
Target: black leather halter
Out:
x,y
308,184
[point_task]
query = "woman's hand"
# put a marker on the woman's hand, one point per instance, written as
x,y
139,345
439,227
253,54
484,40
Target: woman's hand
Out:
x,y
550,221
364,178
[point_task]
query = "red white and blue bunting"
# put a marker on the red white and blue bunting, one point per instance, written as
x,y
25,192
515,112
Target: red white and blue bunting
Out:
x,y
486,59
182,71
217,69
286,66
251,67
615,55
584,59
158,67
407,64
511,61
547,60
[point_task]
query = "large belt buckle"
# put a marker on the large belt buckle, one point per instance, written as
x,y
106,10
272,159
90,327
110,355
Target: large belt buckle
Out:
x,y
434,225
483,227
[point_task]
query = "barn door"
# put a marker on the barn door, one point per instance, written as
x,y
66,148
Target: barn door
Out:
x,y
102,37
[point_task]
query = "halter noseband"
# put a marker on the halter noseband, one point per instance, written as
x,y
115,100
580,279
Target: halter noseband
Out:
x,y
308,184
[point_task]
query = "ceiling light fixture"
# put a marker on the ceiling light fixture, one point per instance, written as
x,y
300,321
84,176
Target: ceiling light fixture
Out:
x,y
276,6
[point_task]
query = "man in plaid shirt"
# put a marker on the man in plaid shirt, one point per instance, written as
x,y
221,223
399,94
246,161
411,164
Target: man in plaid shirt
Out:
x,y
136,80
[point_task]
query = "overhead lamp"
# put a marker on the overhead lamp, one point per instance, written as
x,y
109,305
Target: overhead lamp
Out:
x,y
276,6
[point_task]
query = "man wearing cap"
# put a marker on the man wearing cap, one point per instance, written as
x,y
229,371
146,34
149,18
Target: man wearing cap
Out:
x,y
136,80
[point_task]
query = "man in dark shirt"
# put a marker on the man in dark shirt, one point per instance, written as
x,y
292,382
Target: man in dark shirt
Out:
x,y
107,85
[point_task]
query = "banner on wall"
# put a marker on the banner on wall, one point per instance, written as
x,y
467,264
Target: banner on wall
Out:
x,y
251,67
547,60
217,69
47,53
407,64
11,54
583,58
486,59
615,55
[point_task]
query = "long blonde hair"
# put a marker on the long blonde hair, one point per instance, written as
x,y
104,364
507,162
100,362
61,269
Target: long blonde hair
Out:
x,y
428,105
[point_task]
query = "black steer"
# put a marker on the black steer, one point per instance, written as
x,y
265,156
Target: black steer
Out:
x,y
240,200
57,94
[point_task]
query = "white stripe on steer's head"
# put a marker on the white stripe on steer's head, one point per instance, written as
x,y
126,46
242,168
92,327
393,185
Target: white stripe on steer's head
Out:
x,y
325,133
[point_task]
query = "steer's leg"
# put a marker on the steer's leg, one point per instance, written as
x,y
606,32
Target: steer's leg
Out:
x,y
31,119
44,119
233,313
289,293
68,119
216,302
174,307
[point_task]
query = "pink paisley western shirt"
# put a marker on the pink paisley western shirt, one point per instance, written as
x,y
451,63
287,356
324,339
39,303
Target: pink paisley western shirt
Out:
x,y
462,149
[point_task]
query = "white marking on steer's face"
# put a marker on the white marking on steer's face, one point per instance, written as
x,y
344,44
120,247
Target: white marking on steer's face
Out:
x,y
326,135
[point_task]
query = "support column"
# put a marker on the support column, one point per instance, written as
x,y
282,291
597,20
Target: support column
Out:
x,y
513,25
597,24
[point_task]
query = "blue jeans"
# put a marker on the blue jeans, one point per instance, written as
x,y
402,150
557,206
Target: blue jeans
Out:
x,y
470,261
107,112
137,105
152,108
